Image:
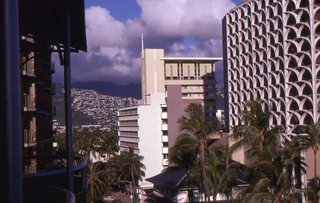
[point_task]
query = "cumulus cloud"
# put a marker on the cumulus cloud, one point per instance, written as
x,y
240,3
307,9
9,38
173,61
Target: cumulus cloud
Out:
x,y
181,18
114,46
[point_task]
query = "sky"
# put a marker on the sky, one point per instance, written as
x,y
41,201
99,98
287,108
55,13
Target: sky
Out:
x,y
114,27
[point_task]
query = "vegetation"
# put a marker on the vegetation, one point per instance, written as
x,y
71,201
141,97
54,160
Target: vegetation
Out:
x,y
197,128
271,173
107,170
273,168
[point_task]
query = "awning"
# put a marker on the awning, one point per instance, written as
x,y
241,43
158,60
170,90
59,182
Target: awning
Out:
x,y
45,20
171,178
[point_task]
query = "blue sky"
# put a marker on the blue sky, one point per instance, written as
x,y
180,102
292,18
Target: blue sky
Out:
x,y
114,27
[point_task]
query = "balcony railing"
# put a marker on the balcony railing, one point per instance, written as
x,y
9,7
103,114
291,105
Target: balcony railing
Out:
x,y
29,103
47,194
49,185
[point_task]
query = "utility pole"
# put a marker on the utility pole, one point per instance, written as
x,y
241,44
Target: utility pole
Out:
x,y
130,183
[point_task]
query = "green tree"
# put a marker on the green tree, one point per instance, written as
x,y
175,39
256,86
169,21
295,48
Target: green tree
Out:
x,y
97,176
222,171
197,128
132,168
184,154
107,143
271,174
255,130
84,141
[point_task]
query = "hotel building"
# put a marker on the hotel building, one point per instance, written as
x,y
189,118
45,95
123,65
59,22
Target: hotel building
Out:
x,y
169,85
272,54
30,32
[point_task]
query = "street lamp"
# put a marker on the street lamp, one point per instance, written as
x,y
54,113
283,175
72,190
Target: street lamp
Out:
x,y
129,182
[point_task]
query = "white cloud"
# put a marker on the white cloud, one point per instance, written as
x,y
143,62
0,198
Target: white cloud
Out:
x,y
103,29
114,46
184,17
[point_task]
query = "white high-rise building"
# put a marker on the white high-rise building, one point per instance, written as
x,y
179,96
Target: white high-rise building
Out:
x,y
169,85
272,54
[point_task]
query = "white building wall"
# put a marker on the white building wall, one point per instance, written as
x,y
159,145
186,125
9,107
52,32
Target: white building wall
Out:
x,y
150,136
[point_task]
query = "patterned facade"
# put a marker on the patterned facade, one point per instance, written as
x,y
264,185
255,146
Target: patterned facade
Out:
x,y
272,54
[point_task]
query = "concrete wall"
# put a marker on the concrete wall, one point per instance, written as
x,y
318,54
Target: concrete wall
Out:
x,y
310,162
176,108
150,136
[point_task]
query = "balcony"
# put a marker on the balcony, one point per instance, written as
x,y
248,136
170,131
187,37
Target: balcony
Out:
x,y
165,162
29,138
164,115
29,103
165,150
49,185
165,138
47,194
164,126
28,70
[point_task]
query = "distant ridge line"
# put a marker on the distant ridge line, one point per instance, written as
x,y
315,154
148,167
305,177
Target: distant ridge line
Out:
x,y
111,89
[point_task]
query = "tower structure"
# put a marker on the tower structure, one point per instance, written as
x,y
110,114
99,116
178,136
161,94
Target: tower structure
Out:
x,y
169,85
272,54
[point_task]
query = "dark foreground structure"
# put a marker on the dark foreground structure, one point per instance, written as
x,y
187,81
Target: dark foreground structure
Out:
x,y
30,167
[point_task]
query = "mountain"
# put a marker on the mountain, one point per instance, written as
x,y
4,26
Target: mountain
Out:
x,y
90,106
106,88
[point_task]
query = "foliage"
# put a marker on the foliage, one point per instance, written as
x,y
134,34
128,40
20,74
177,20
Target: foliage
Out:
x,y
255,130
195,130
90,142
125,168
274,163
222,171
107,144
97,176
273,159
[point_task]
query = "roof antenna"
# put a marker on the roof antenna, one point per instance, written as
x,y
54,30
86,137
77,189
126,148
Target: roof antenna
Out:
x,y
142,46
143,76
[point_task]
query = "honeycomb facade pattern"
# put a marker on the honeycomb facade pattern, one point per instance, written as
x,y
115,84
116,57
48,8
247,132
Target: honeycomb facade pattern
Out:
x,y
272,54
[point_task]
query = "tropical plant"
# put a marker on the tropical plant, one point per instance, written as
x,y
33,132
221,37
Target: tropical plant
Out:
x,y
107,143
132,169
255,130
183,153
97,177
195,130
125,168
85,141
272,172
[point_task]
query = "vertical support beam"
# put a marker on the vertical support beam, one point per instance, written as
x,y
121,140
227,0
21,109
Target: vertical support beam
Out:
x,y
10,104
67,87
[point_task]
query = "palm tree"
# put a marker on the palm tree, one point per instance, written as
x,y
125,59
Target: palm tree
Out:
x,y
183,153
96,181
131,168
256,130
107,143
84,141
214,170
272,174
197,128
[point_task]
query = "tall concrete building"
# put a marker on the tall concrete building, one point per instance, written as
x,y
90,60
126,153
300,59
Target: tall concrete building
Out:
x,y
31,169
272,54
169,85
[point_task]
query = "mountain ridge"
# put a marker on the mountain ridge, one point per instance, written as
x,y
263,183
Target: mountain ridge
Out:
x,y
111,89
90,106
